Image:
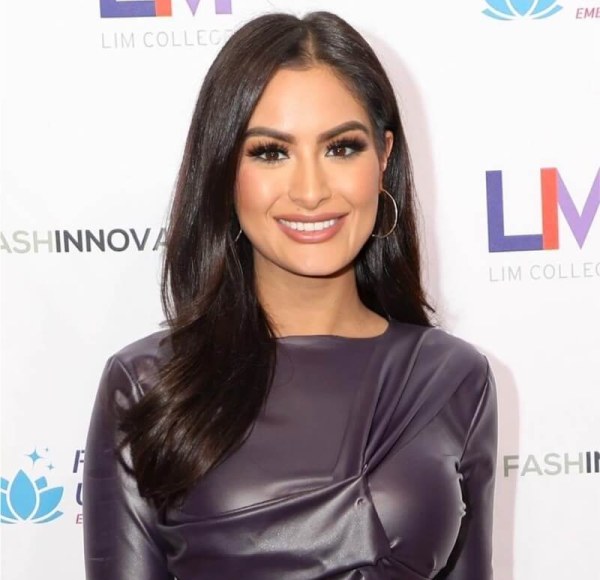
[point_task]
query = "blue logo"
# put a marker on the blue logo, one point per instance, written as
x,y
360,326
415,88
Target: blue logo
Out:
x,y
516,9
29,500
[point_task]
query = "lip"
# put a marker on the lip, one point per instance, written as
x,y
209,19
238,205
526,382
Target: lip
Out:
x,y
297,217
316,236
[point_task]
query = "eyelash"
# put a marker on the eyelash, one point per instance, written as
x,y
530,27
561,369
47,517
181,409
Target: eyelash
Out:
x,y
357,145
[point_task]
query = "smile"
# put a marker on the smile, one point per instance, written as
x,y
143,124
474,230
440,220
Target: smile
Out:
x,y
309,226
315,231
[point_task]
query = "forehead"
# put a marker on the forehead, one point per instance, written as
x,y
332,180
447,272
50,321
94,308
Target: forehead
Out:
x,y
307,101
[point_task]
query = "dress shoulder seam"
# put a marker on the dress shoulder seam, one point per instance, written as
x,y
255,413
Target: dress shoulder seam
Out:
x,y
134,381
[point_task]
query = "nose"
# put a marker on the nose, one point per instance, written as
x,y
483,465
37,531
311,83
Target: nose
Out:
x,y
309,187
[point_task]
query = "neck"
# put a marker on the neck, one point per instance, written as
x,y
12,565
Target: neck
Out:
x,y
309,305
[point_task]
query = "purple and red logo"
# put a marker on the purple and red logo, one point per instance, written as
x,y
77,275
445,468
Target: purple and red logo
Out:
x,y
555,195
151,8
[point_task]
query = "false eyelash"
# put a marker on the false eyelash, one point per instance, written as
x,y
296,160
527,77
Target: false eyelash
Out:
x,y
354,143
267,147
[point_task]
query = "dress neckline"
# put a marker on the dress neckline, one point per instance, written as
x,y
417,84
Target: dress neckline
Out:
x,y
311,338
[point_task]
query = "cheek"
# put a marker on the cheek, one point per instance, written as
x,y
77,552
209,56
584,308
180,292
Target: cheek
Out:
x,y
254,193
360,187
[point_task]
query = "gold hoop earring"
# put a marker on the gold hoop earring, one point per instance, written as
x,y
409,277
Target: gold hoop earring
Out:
x,y
395,216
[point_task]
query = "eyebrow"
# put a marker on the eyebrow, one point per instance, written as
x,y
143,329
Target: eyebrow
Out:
x,y
321,137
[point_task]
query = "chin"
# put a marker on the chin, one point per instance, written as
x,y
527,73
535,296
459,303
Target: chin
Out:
x,y
310,262
320,270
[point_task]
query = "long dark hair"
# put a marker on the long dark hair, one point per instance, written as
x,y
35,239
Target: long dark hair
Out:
x,y
223,348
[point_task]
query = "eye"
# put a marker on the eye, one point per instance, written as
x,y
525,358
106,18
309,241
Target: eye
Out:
x,y
346,147
268,152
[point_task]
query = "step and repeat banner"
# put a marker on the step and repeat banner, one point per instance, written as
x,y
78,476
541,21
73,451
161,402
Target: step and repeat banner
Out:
x,y
500,99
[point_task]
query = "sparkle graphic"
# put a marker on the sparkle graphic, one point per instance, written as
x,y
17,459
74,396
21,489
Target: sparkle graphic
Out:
x,y
34,456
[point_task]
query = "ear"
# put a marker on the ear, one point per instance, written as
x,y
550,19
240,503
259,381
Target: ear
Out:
x,y
389,143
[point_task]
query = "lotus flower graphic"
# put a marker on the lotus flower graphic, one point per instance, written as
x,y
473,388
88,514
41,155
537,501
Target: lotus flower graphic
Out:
x,y
513,9
26,500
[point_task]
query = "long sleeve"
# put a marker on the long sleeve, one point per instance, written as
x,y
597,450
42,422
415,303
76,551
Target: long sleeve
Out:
x,y
472,556
120,538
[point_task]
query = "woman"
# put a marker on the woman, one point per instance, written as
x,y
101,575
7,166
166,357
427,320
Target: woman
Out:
x,y
301,418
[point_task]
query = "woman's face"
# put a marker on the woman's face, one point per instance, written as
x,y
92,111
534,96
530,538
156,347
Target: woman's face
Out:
x,y
309,175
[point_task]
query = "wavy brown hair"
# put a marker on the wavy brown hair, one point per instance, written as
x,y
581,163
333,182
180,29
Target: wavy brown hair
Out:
x,y
223,346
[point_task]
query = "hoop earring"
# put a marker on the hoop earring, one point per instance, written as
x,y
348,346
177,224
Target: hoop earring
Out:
x,y
395,217
238,236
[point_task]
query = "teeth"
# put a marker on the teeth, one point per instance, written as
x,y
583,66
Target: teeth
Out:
x,y
308,226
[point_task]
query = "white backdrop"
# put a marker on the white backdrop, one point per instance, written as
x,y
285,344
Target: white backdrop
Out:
x,y
95,113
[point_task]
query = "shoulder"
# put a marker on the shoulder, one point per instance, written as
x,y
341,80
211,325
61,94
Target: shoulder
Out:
x,y
462,374
132,370
424,371
144,357
441,360
436,347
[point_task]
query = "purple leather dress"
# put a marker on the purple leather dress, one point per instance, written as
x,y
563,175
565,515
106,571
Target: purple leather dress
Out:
x,y
373,459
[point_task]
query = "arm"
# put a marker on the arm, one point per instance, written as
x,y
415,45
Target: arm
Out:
x,y
120,538
472,555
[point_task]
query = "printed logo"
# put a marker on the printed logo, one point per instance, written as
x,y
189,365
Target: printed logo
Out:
x,y
152,8
579,463
587,12
554,195
520,9
71,241
27,498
